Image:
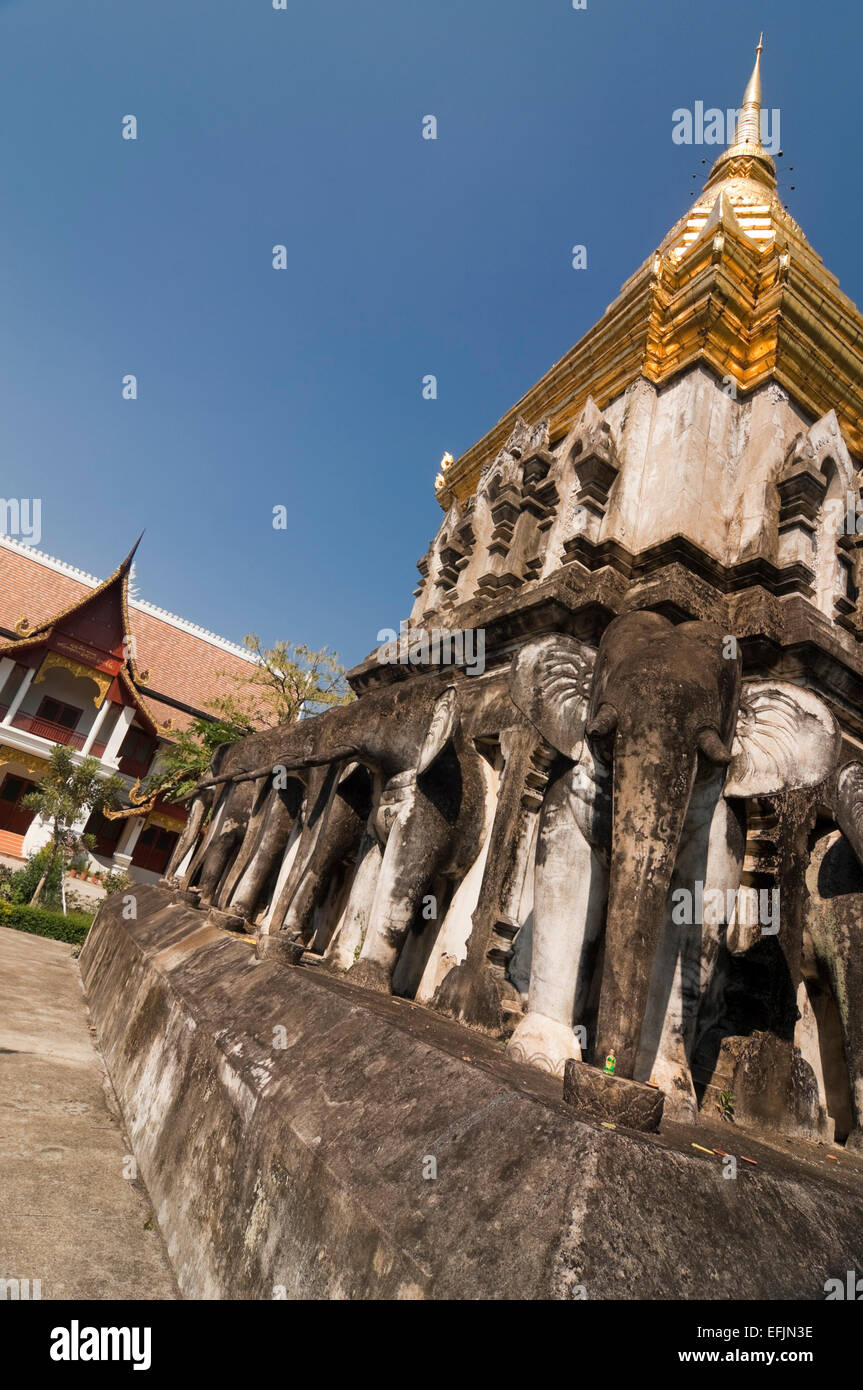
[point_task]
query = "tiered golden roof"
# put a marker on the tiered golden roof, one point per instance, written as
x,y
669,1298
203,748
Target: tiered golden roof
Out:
x,y
734,285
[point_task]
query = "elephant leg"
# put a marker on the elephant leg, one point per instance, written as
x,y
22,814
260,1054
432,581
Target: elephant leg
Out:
x,y
281,815
663,1055
703,892
415,850
254,824
228,838
188,836
345,946
570,891
337,844
221,850
839,952
208,838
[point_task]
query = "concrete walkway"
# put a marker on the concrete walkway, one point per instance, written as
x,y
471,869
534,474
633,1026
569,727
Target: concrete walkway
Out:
x,y
68,1216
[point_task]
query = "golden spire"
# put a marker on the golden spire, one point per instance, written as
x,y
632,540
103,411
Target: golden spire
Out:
x,y
747,134
748,130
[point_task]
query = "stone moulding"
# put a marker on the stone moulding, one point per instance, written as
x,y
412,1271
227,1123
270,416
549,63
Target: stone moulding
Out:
x,y
297,1170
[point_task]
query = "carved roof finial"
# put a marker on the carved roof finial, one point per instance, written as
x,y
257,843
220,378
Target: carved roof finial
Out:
x,y
746,144
748,130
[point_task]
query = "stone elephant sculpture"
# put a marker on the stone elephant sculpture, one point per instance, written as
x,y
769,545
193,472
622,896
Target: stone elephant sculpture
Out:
x,y
202,804
251,822
338,804
660,740
430,799
834,928
238,861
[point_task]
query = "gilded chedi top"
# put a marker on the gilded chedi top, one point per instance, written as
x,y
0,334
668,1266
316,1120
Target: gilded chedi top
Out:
x,y
735,285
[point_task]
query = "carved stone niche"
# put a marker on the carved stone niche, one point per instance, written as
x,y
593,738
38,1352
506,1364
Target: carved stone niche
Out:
x,y
846,610
454,551
591,450
501,493
540,499
801,488
423,566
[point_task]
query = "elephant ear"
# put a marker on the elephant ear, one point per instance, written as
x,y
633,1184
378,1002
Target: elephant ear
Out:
x,y
550,682
849,806
785,738
440,730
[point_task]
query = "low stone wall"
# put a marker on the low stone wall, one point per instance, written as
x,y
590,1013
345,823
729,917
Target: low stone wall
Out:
x,y
283,1122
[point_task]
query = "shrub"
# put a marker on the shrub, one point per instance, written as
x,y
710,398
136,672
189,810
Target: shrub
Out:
x,y
41,921
116,881
24,882
6,876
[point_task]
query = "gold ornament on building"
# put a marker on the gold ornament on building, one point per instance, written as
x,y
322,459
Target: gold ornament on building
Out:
x,y
445,463
54,659
26,760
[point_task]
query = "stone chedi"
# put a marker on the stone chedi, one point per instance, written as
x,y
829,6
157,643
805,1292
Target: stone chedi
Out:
x,y
640,829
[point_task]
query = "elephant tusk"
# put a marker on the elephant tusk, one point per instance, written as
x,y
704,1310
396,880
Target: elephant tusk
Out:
x,y
604,722
713,748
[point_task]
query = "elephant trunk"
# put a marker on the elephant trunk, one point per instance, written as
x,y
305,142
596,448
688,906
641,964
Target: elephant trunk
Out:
x,y
653,780
323,738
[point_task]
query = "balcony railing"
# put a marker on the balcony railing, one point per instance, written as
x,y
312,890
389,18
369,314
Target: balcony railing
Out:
x,y
46,728
55,733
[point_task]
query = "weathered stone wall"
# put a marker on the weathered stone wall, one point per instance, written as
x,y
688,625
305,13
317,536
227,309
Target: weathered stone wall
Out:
x,y
302,1166
685,460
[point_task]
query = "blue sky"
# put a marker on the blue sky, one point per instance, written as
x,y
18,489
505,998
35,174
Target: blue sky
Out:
x,y
302,388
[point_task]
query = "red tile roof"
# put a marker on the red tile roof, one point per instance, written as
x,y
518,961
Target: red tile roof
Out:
x,y
191,667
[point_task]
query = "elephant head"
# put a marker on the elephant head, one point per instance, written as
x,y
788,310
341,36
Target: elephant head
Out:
x,y
666,705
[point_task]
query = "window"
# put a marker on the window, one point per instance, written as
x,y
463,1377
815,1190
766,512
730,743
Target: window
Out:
x,y
13,816
136,753
55,712
106,832
138,746
154,849
13,789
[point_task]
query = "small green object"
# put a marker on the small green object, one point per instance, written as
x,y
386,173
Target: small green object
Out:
x,y
725,1105
610,1063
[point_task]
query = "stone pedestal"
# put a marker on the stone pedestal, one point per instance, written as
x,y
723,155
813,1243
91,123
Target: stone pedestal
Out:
x,y
612,1098
280,949
229,921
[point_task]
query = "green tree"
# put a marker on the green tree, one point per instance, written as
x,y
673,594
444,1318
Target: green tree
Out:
x,y
286,680
68,792
182,763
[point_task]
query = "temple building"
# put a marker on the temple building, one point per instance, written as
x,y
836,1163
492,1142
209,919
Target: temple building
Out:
x,y
85,664
628,849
